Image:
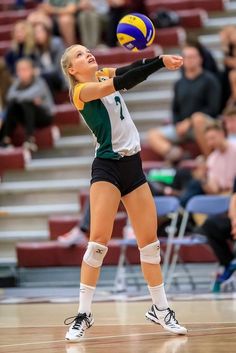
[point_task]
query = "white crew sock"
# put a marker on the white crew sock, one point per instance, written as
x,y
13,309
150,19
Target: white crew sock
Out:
x,y
85,298
158,296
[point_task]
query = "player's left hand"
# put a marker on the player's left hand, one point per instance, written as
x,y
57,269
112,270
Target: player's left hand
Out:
x,y
172,62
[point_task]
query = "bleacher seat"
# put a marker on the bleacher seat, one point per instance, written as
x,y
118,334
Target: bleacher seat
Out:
x,y
194,18
208,5
10,17
120,55
5,32
66,114
45,137
170,37
147,154
4,46
61,225
13,159
9,4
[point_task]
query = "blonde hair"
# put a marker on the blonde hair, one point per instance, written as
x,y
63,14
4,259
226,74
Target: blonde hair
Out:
x,y
29,43
65,64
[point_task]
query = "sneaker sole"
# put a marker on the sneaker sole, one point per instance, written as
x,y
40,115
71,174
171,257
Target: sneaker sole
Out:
x,y
155,321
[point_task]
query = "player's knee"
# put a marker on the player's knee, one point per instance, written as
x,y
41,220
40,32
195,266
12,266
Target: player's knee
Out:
x,y
151,253
95,254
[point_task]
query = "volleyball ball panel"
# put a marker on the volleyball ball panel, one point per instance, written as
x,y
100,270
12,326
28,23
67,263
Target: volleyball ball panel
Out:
x,y
135,32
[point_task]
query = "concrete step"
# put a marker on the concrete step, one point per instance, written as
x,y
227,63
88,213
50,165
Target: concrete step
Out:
x,y
217,24
33,217
9,239
23,235
41,193
148,101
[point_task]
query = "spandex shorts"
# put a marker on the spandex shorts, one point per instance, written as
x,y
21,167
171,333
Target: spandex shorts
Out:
x,y
125,173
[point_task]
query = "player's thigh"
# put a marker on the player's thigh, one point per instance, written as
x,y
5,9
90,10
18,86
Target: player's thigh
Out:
x,y
104,202
142,213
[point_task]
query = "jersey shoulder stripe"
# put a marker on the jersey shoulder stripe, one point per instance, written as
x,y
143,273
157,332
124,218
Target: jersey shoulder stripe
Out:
x,y
79,104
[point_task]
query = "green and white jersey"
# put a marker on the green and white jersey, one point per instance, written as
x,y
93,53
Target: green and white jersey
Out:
x,y
109,120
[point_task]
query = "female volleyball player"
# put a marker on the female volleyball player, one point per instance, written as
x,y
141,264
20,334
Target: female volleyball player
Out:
x,y
116,175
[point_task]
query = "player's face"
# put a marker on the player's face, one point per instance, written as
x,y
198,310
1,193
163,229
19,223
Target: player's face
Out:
x,y
214,139
82,61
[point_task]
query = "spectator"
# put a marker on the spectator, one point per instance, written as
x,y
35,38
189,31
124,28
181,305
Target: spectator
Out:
x,y
196,98
137,6
49,50
5,82
228,44
91,17
208,61
219,230
29,103
22,45
117,9
230,123
64,13
39,17
218,174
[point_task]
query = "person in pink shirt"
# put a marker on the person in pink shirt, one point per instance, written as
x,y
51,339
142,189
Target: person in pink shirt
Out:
x,y
217,174
221,163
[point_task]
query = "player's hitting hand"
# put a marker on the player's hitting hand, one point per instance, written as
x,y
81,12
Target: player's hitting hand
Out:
x,y
172,62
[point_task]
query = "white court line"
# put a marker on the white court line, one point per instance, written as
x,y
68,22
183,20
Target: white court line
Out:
x,y
123,324
111,337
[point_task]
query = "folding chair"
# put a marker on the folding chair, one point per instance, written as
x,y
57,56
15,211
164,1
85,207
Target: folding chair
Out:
x,y
204,204
166,206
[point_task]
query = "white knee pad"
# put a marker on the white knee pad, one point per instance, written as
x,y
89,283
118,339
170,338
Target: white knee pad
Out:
x,y
151,253
95,254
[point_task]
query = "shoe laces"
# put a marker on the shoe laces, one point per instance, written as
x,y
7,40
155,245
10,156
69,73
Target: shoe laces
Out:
x,y
78,319
170,317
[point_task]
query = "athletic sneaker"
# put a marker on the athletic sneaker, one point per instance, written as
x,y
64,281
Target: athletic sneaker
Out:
x,y
224,277
165,318
79,324
74,237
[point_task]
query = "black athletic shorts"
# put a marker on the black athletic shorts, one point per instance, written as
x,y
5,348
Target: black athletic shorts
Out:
x,y
125,173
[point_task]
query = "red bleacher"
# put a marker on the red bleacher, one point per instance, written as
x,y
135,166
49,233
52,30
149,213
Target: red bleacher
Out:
x,y
170,37
45,137
208,5
13,159
66,114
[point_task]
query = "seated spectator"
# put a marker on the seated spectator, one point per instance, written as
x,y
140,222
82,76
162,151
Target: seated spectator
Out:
x,y
29,104
118,9
22,45
219,230
229,115
91,18
5,82
137,6
217,176
39,17
196,99
228,44
63,12
48,50
208,61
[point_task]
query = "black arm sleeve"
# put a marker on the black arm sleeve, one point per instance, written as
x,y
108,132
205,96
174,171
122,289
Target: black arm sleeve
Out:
x,y
137,75
123,69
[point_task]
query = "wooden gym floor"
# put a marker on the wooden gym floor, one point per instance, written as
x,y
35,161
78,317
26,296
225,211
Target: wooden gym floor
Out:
x,y
119,327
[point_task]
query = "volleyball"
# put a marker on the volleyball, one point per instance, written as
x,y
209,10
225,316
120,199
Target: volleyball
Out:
x,y
135,32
